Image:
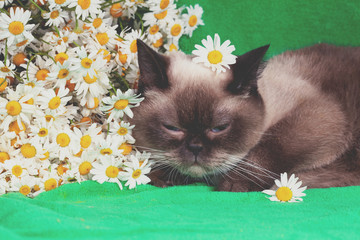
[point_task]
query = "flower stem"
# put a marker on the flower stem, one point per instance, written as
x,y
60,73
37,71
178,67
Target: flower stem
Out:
x,y
36,5
6,52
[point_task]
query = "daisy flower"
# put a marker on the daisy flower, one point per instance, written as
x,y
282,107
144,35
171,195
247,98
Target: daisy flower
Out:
x,y
6,70
81,167
88,137
135,172
17,167
122,131
192,19
41,129
68,143
288,189
57,3
38,71
6,149
5,3
153,33
14,28
121,103
175,29
105,36
60,74
15,108
107,171
99,20
23,185
30,150
56,17
53,100
85,8
129,46
213,54
108,147
161,18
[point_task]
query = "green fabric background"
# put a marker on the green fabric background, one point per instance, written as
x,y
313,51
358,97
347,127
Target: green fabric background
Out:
x,y
94,211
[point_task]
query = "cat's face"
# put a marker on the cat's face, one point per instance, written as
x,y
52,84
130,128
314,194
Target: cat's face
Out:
x,y
196,123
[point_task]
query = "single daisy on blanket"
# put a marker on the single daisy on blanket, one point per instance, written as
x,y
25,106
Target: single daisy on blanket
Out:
x,y
288,190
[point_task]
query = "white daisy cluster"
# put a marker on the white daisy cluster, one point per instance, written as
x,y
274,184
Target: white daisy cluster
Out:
x,y
68,79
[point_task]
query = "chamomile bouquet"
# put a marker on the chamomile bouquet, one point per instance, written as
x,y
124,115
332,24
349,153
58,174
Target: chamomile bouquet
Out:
x,y
68,79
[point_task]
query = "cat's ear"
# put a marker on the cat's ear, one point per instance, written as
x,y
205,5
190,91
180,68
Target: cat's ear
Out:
x,y
245,72
152,67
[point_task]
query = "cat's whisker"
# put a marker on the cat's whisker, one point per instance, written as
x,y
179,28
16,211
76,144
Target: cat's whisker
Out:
x,y
250,163
150,149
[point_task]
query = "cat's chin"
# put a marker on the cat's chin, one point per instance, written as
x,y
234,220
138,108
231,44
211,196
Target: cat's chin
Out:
x,y
195,171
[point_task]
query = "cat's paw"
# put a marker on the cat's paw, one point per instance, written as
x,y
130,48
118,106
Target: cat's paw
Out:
x,y
229,185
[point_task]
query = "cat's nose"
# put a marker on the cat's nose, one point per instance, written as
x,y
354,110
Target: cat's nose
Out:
x,y
195,148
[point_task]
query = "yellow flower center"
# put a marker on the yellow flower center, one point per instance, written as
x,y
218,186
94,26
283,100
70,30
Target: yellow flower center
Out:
x,y
85,168
192,21
61,169
158,43
36,188
106,54
284,194
61,57
46,156
112,172
89,80
175,30
173,47
121,104
54,103
4,156
133,47
59,1
122,131
17,170
63,73
102,38
97,22
19,59
14,127
28,150
31,84
154,29
85,141
42,74
16,27
3,85
215,57
43,132
50,184
127,148
86,62
164,4
116,10
160,15
122,57
106,151
30,101
54,14
136,173
84,4
13,108
49,117
25,190
63,139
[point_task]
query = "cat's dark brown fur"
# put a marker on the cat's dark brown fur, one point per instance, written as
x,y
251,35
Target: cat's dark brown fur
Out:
x,y
298,113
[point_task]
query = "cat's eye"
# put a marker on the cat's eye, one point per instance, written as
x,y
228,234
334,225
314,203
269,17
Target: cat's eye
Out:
x,y
172,128
219,128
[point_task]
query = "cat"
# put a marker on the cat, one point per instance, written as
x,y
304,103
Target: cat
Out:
x,y
298,112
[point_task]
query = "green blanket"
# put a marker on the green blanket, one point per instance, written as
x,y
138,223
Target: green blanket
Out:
x,y
94,211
